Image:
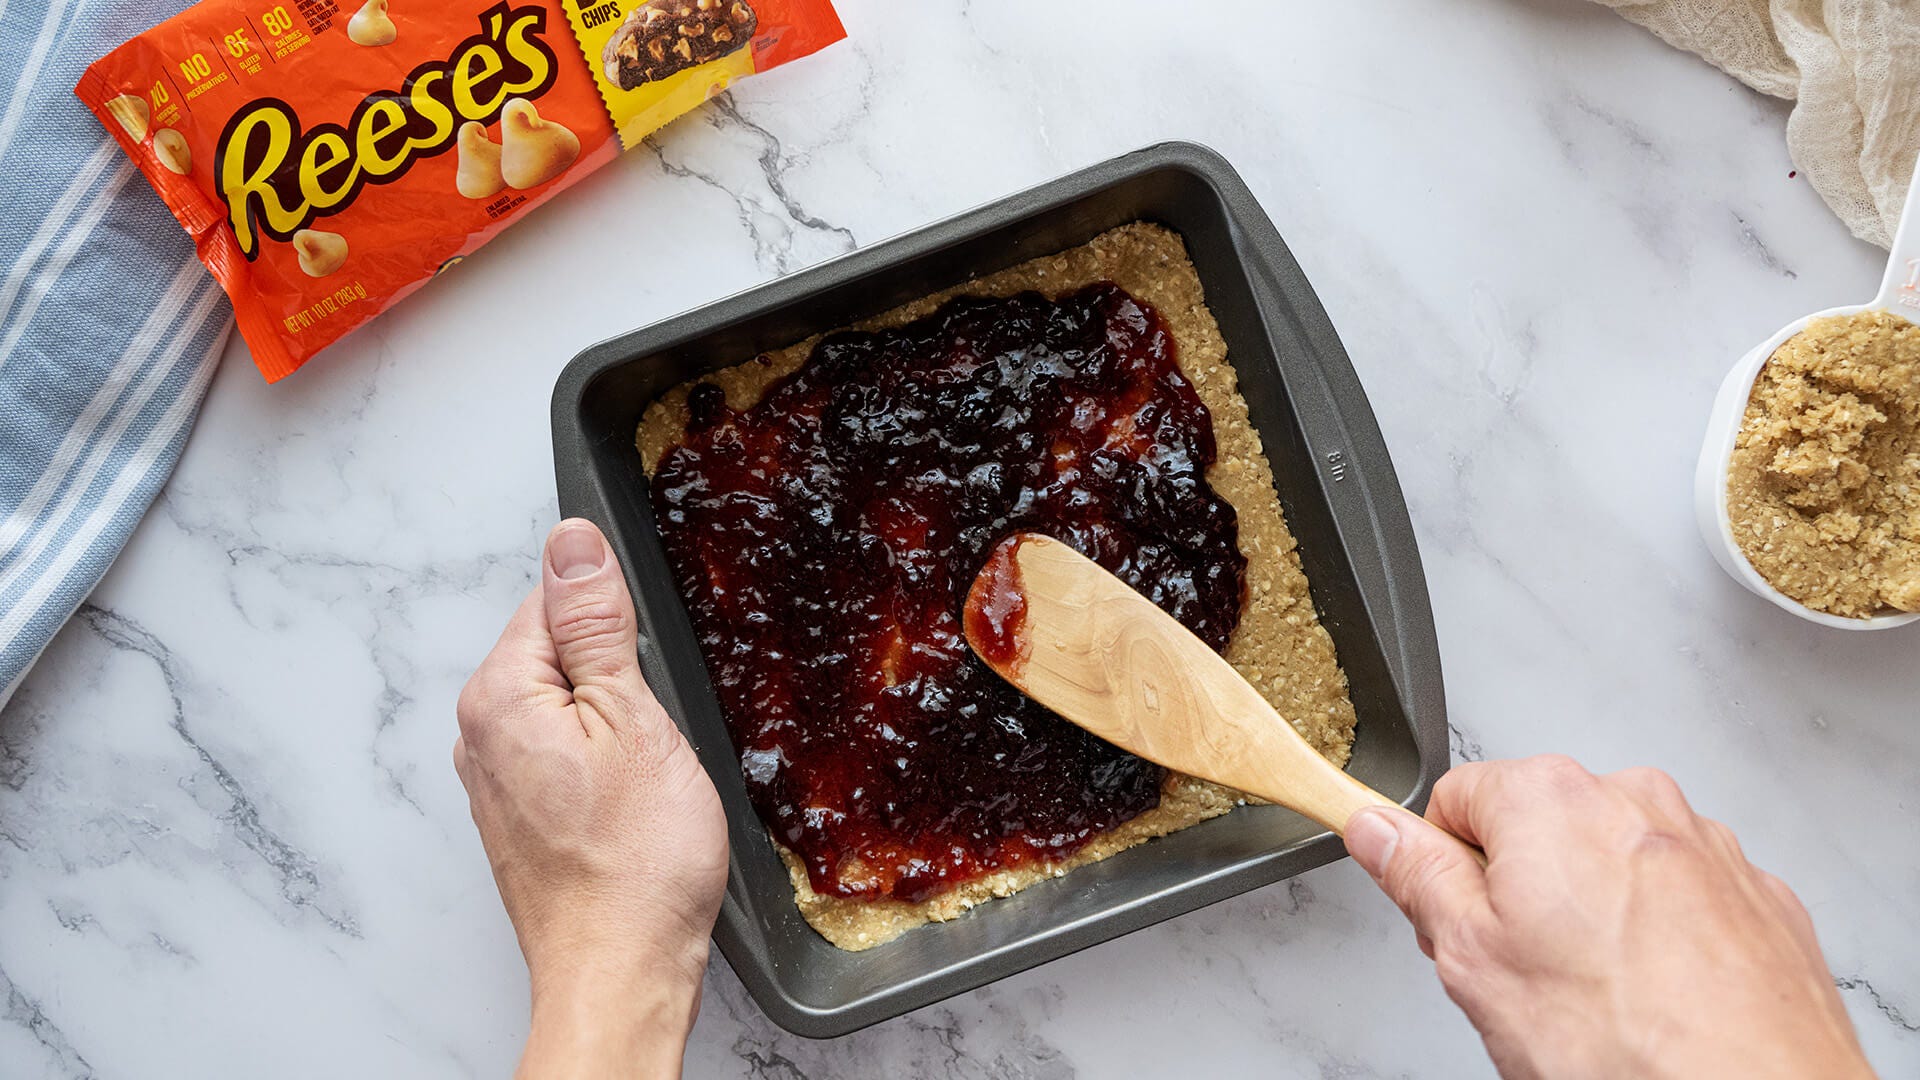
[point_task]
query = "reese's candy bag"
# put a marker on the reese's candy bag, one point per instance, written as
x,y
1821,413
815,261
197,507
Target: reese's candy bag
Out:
x,y
330,156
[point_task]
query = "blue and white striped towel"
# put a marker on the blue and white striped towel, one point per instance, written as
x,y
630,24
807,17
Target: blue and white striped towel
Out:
x,y
109,326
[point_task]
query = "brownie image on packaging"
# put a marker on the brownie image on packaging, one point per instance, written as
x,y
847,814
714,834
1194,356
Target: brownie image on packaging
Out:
x,y
664,37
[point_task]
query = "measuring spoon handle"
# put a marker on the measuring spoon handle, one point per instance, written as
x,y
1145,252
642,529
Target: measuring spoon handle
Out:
x,y
1900,289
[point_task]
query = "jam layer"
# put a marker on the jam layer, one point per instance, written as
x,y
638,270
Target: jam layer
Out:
x,y
825,540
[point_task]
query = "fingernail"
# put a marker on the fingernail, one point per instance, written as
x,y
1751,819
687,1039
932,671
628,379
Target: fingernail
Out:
x,y
1371,838
575,550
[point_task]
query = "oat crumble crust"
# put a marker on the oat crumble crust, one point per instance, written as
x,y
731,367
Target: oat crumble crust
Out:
x,y
1823,490
1279,645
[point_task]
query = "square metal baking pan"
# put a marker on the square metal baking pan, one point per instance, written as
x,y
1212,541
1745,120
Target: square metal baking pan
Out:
x,y
1336,486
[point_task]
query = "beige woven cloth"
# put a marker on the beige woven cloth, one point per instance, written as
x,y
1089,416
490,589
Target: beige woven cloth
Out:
x,y
1852,69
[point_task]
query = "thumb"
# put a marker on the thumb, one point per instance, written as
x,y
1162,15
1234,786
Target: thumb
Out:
x,y
1432,876
589,614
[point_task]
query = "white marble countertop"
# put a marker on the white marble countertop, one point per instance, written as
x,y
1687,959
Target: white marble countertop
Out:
x,y
233,842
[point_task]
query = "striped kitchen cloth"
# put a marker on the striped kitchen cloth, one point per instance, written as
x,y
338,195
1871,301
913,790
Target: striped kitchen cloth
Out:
x,y
109,326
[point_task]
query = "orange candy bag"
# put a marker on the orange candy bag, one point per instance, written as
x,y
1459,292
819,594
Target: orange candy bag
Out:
x,y
328,159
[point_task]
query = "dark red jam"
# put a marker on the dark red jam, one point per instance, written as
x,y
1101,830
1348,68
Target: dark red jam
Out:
x,y
995,611
826,539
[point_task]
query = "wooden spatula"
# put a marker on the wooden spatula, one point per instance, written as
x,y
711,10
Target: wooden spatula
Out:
x,y
1076,639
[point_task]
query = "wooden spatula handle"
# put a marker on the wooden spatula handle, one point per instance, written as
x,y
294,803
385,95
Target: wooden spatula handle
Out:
x,y
1167,697
1328,796
1104,657
1331,797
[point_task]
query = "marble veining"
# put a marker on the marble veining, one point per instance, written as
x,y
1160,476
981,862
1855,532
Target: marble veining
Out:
x,y
299,886
232,844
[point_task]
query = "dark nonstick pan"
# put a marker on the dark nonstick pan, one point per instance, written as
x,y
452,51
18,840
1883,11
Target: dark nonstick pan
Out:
x,y
1336,485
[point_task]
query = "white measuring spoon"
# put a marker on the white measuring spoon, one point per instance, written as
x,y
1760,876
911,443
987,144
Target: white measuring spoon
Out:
x,y
1900,295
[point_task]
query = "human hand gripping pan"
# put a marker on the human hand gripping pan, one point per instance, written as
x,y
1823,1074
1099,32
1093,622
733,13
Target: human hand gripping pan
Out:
x,y
1078,640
